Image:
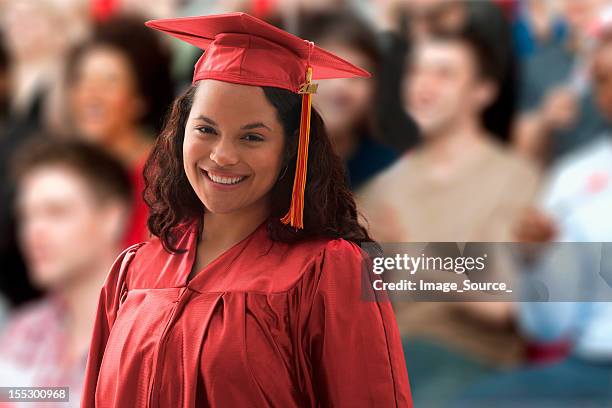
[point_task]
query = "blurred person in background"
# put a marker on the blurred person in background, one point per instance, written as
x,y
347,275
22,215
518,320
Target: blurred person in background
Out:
x,y
400,23
575,208
558,113
487,20
183,56
459,185
389,125
73,200
403,22
112,102
346,104
37,35
537,24
451,81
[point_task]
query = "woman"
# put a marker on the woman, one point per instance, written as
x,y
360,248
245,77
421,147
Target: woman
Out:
x,y
230,305
346,103
113,104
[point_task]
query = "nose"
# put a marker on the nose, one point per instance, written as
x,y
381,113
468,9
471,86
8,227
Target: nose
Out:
x,y
224,153
88,90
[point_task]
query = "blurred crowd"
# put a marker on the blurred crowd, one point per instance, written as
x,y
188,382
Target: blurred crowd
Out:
x,y
484,121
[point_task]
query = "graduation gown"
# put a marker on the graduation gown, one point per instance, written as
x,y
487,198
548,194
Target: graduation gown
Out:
x,y
266,324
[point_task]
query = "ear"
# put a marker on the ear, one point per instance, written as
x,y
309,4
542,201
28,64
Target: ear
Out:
x,y
485,93
114,219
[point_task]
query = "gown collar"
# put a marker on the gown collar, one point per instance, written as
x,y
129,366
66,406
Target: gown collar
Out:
x,y
258,236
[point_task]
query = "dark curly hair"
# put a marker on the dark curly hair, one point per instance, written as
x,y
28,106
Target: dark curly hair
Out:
x,y
329,207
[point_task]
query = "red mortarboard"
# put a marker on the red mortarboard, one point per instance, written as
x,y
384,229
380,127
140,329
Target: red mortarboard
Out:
x,y
242,49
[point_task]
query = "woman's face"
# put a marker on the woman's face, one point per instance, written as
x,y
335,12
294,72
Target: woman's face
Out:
x,y
233,146
346,101
104,100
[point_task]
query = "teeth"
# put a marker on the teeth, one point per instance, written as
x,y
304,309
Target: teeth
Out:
x,y
225,180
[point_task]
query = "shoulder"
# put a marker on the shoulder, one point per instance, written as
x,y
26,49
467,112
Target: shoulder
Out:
x,y
339,276
31,313
381,185
570,175
307,259
33,320
582,162
150,265
342,249
126,257
329,249
512,164
339,260
118,271
143,252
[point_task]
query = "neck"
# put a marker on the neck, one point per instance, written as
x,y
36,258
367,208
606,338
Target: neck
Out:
x,y
80,298
451,147
227,229
129,144
343,142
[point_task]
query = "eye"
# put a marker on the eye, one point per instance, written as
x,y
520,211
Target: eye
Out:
x,y
252,137
206,130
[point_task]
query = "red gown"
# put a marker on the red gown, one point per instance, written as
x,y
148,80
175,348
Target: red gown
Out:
x,y
266,324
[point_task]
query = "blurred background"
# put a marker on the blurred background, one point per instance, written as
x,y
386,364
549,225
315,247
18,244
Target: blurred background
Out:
x,y
485,120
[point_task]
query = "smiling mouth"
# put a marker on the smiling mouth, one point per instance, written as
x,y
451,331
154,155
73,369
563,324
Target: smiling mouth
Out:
x,y
225,180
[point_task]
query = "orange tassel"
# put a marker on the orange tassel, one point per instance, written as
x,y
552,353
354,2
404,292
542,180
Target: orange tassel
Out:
x,y
295,216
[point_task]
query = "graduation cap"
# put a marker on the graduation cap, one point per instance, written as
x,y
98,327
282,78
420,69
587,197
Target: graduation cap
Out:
x,y
242,49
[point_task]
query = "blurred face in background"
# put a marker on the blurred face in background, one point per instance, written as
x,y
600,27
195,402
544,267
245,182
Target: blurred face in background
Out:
x,y
442,88
39,28
345,103
148,8
581,14
64,230
104,99
602,78
28,26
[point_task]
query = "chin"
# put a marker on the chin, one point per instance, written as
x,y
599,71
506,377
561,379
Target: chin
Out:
x,y
45,279
93,134
424,126
429,125
221,208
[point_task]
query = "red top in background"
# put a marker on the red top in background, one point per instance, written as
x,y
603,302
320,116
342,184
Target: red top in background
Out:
x,y
137,230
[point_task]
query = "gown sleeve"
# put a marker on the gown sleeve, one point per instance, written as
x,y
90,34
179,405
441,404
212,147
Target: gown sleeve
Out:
x,y
108,303
351,337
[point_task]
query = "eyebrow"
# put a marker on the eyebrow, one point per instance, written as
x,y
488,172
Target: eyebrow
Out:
x,y
206,119
250,126
255,125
